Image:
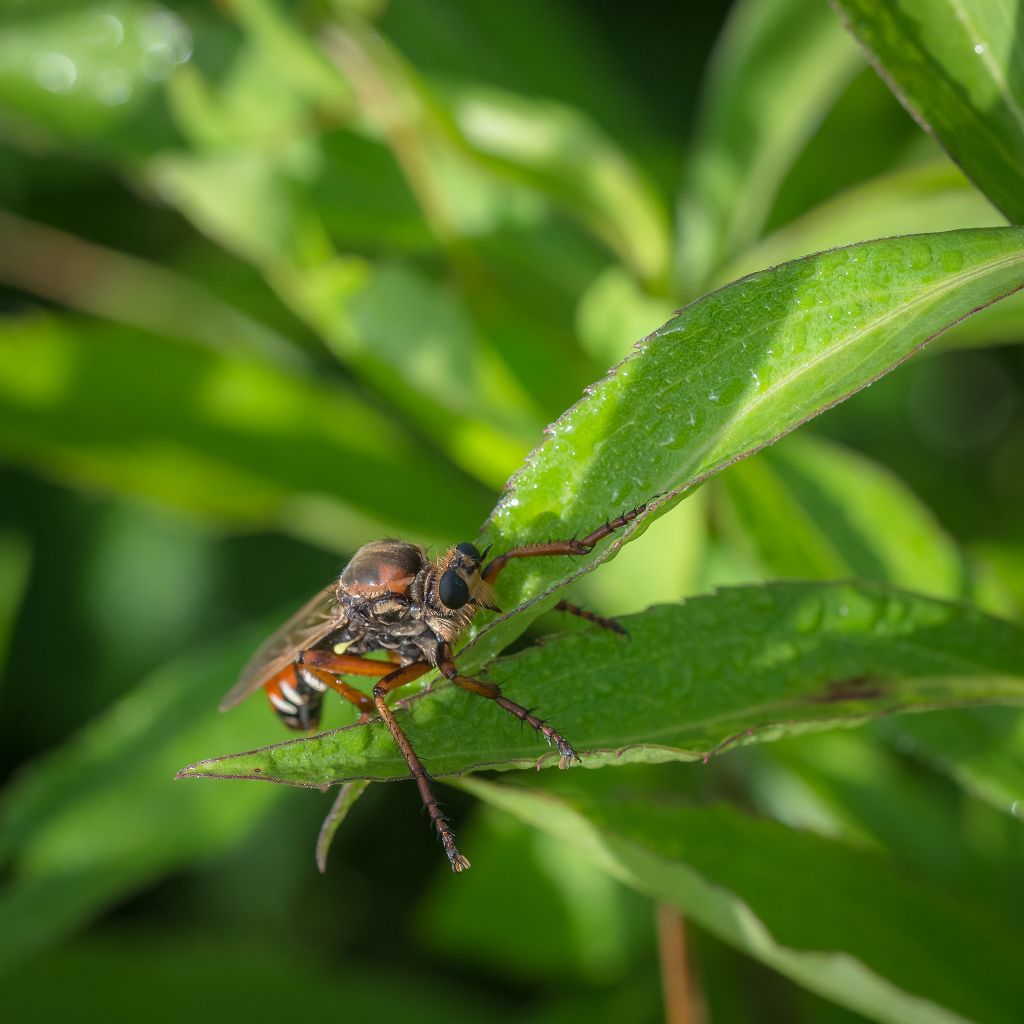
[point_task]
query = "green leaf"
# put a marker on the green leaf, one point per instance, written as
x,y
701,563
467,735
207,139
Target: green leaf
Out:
x,y
731,373
568,159
116,286
847,785
343,803
578,922
99,818
813,509
983,751
85,74
743,665
849,924
777,68
296,57
956,67
933,197
613,312
546,50
229,436
411,338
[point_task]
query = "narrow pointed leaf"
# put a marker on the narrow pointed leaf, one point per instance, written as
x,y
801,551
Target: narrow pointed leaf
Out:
x,y
741,665
343,803
814,510
575,166
863,930
929,197
733,372
955,65
777,69
226,435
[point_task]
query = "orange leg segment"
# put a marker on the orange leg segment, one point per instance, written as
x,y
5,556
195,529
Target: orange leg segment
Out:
x,y
350,693
351,664
326,666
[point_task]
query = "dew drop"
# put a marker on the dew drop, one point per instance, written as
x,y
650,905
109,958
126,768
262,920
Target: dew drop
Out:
x,y
979,48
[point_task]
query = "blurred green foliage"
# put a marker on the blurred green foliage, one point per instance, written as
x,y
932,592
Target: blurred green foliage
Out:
x,y
279,277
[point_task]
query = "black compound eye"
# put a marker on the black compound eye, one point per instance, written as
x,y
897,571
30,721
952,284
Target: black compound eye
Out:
x,y
453,590
469,550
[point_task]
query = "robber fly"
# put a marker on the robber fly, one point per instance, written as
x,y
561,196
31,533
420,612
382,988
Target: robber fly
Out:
x,y
392,597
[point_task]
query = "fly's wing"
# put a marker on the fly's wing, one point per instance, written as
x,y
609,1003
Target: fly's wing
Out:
x,y
317,618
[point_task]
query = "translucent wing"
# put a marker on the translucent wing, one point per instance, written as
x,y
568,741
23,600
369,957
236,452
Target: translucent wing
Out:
x,y
317,618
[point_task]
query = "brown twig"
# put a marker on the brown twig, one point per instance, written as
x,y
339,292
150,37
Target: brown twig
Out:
x,y
682,1002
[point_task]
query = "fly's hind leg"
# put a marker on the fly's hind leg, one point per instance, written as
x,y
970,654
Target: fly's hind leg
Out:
x,y
322,680
323,667
393,680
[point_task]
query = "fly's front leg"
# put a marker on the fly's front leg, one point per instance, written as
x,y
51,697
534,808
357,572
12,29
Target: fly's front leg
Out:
x,y
567,756
574,546
393,680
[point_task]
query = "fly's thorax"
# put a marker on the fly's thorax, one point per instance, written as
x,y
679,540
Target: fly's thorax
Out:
x,y
383,567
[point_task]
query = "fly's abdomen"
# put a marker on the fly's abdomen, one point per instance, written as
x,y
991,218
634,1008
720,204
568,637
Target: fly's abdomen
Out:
x,y
297,696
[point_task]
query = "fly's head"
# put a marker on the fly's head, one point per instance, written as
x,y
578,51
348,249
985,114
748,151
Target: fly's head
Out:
x,y
454,590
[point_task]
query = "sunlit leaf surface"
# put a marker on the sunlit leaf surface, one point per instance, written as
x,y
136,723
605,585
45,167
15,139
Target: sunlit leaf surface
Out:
x,y
731,373
956,65
222,434
742,665
852,518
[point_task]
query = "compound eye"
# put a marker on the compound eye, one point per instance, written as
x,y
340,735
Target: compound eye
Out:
x,y
452,590
469,550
